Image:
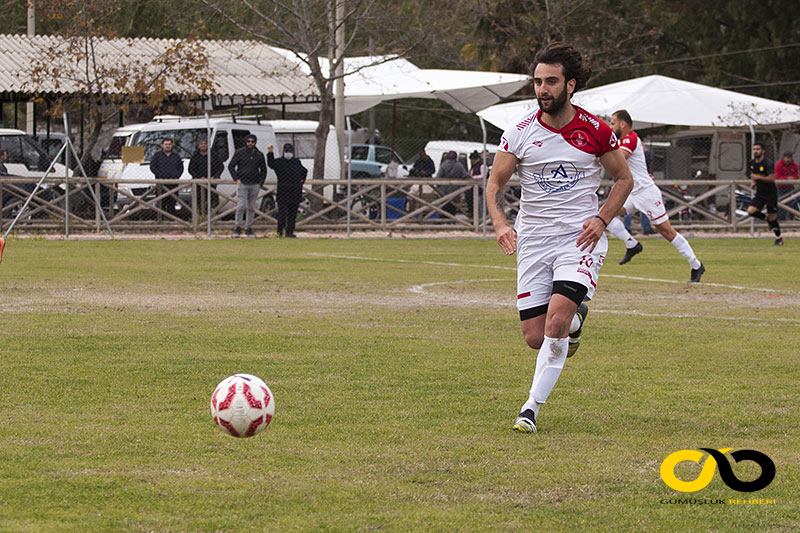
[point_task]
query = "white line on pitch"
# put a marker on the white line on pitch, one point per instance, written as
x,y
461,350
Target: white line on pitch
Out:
x,y
421,289
636,278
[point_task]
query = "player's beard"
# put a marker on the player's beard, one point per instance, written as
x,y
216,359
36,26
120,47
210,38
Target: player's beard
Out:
x,y
555,105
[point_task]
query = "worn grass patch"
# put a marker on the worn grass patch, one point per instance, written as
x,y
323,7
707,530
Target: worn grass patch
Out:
x,y
398,368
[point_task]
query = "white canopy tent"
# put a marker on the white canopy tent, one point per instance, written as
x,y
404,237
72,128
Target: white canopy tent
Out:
x,y
370,80
660,100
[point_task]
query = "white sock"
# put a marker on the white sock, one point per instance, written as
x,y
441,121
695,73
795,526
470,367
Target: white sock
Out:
x,y
549,364
576,323
617,228
686,251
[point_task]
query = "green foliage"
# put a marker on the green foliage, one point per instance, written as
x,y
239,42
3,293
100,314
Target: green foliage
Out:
x,y
393,407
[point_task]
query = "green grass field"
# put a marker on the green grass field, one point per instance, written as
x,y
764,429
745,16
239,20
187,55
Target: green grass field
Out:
x,y
397,367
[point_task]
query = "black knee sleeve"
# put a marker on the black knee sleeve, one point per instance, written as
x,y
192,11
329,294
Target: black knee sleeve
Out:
x,y
759,215
571,289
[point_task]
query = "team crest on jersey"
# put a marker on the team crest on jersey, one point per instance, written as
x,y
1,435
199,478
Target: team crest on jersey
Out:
x,y
579,139
558,176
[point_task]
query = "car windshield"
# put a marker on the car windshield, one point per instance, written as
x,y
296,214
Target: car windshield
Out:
x,y
184,141
114,150
23,149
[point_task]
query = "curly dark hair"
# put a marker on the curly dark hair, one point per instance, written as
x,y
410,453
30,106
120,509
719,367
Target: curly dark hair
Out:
x,y
571,61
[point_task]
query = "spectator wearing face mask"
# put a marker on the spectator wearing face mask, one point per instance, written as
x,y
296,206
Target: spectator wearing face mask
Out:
x,y
291,176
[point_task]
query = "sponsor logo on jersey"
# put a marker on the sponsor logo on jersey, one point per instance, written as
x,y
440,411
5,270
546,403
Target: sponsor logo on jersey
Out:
x,y
558,176
538,144
593,121
504,142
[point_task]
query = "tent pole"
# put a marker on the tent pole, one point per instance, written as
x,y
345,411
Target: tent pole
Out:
x,y
752,143
349,171
485,175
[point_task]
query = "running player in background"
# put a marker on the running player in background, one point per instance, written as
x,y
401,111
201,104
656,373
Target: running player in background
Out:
x,y
761,172
646,197
559,151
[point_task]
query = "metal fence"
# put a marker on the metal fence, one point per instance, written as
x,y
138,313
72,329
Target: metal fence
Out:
x,y
373,204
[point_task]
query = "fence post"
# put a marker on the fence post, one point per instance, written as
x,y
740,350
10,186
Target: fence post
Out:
x,y
383,206
97,208
194,204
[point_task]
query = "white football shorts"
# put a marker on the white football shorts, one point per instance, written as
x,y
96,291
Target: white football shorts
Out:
x,y
650,202
544,259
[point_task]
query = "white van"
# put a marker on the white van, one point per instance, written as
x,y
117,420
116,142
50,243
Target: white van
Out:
x,y
26,158
437,150
111,158
302,134
227,136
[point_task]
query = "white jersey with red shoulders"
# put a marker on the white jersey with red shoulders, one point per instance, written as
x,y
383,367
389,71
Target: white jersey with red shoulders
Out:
x,y
636,162
559,170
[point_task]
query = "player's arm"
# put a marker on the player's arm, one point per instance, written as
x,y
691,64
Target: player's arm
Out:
x,y
615,164
502,169
625,152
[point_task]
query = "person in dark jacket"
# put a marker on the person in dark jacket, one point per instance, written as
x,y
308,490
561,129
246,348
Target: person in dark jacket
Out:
x,y
451,168
249,169
291,177
423,166
166,165
198,169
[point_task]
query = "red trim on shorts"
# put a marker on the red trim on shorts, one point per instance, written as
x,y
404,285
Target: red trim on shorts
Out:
x,y
523,295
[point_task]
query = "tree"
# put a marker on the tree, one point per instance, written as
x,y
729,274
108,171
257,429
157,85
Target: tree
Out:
x,y
108,77
508,33
308,28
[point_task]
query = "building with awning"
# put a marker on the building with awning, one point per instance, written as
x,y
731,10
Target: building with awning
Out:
x,y
249,73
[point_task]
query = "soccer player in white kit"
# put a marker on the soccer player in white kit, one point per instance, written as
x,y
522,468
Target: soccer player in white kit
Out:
x,y
559,151
646,198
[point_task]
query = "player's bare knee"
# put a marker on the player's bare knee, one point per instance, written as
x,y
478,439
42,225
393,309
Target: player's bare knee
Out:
x,y
558,325
534,340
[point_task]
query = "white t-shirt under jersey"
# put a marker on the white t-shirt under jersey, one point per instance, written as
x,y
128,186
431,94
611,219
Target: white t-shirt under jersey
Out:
x,y
636,162
559,171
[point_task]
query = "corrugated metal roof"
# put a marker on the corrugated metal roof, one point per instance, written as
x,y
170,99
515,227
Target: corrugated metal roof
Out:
x,y
239,68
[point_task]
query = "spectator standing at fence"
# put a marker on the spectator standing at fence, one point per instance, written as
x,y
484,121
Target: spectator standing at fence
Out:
x,y
166,164
291,176
423,166
198,169
248,168
785,169
647,229
3,157
645,197
559,151
451,169
761,172
477,171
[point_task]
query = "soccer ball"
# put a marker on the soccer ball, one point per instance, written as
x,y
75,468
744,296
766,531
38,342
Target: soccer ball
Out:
x,y
242,405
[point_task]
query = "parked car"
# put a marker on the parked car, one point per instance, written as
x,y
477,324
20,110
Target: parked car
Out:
x,y
51,142
111,158
25,157
371,160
